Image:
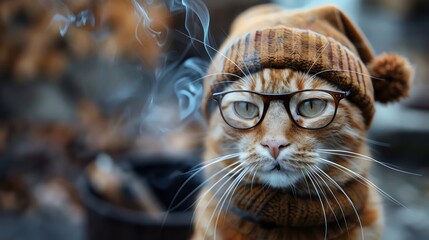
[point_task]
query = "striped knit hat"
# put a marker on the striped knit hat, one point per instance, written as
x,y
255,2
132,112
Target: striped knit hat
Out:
x,y
322,42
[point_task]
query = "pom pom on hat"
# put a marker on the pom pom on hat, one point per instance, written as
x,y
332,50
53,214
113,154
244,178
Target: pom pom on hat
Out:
x,y
391,77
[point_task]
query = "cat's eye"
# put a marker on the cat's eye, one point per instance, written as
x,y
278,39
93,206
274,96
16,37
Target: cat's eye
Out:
x,y
311,108
246,110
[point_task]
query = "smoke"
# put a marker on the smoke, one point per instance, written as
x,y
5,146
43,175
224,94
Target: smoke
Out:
x,y
65,18
160,36
173,98
188,89
197,9
176,73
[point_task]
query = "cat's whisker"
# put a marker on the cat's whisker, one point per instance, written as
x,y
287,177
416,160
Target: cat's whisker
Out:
x,y
317,57
215,88
199,167
214,49
171,208
293,189
368,140
214,211
322,190
230,174
210,75
229,191
317,178
346,195
253,178
349,71
215,74
219,205
321,202
237,166
358,155
248,171
364,157
356,166
316,172
361,178
249,73
234,172
306,182
235,148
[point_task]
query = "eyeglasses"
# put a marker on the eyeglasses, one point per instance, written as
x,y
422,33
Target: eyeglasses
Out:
x,y
309,109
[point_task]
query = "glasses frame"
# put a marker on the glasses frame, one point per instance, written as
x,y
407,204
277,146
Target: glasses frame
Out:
x,y
286,97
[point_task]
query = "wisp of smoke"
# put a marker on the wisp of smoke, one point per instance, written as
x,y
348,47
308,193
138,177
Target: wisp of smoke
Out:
x,y
174,73
66,18
178,80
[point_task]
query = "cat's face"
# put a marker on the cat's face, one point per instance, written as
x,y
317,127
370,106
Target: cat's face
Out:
x,y
277,151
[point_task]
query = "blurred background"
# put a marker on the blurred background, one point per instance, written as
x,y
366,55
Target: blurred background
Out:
x,y
100,122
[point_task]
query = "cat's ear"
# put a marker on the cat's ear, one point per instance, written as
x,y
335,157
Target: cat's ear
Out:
x,y
391,74
391,77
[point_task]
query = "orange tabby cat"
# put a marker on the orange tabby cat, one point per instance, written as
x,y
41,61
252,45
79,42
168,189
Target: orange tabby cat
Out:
x,y
286,156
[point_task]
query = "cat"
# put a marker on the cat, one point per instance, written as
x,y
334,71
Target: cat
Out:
x,y
280,155
286,154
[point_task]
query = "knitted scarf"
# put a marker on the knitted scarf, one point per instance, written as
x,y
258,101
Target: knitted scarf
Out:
x,y
282,211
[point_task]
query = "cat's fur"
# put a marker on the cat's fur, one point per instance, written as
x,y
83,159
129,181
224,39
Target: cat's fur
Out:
x,y
318,186
214,218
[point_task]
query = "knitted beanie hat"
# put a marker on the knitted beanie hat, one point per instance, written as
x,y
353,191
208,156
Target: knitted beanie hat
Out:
x,y
322,42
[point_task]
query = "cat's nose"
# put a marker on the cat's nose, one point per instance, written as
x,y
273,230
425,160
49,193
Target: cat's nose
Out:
x,y
274,146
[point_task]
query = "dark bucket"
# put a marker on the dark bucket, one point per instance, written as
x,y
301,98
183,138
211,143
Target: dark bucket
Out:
x,y
164,176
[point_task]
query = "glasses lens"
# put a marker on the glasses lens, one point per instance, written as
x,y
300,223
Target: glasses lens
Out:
x,y
312,109
242,109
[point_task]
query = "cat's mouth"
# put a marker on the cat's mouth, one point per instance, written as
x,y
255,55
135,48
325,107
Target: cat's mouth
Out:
x,y
277,167
278,175
284,167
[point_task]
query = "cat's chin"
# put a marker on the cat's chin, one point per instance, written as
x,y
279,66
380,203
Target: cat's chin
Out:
x,y
279,179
